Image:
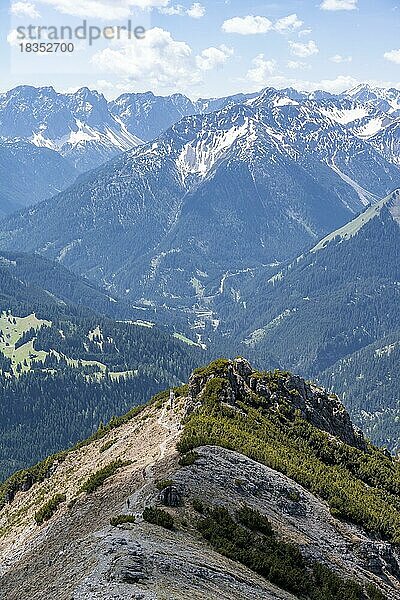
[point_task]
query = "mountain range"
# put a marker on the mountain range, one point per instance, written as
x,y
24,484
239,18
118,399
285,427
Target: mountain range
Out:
x,y
279,172
213,228
87,130
78,126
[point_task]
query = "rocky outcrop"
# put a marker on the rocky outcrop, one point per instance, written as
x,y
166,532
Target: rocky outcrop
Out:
x,y
128,562
323,410
171,496
316,405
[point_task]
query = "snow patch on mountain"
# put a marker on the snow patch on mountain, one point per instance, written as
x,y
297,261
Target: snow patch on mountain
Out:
x,y
117,137
284,102
199,156
370,128
344,116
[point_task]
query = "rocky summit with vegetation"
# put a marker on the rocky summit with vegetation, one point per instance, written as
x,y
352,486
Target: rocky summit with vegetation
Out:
x,y
239,485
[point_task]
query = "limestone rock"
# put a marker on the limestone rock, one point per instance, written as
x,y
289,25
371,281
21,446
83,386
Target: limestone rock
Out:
x,y
171,496
321,409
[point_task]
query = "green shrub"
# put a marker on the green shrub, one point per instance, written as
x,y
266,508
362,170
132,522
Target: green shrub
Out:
x,y
280,563
107,446
198,505
181,391
248,538
254,520
219,366
48,509
121,520
33,475
188,459
294,496
98,478
156,516
164,483
373,593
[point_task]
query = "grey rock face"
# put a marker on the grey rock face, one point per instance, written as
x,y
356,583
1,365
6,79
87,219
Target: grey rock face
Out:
x,y
379,559
230,479
325,411
171,496
127,570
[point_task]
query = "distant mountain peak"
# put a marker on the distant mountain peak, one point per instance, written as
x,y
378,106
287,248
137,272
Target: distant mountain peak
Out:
x,y
361,87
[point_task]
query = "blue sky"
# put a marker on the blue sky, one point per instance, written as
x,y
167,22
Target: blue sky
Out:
x,y
211,47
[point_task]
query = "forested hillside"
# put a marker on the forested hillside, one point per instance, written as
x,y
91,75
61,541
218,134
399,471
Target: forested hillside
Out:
x,y
332,313
64,369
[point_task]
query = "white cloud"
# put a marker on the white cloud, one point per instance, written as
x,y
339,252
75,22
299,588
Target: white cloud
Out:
x,y
102,9
210,58
339,5
303,50
173,10
196,11
249,25
338,59
334,86
305,32
289,23
261,69
24,9
297,65
252,25
393,56
159,62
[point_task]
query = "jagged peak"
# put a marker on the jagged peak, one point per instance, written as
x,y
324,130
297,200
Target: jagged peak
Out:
x,y
361,87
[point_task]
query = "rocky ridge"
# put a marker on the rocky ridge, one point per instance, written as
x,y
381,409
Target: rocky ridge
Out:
x,y
84,557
